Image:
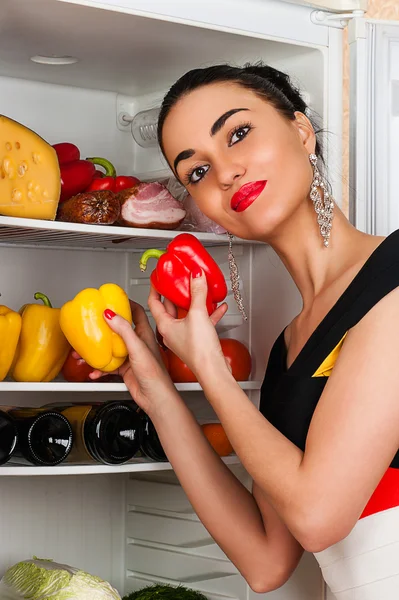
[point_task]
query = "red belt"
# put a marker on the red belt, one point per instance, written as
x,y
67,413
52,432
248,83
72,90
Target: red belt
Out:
x,y
386,494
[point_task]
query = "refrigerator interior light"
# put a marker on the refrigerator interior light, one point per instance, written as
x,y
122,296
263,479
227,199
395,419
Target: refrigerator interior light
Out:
x,y
54,60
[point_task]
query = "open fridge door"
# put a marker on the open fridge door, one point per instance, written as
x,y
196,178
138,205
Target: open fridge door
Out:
x,y
334,5
374,125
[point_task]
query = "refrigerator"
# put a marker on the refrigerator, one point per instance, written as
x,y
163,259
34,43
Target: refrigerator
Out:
x,y
132,524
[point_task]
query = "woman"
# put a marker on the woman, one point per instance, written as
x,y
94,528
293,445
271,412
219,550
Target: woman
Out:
x,y
326,438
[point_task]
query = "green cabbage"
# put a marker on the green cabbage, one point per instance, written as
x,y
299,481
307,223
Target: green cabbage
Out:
x,y
41,579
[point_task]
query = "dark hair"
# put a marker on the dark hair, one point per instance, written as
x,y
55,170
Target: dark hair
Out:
x,y
268,83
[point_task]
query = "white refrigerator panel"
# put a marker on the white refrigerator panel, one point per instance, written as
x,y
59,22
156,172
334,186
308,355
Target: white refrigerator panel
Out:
x,y
134,50
374,125
60,113
73,520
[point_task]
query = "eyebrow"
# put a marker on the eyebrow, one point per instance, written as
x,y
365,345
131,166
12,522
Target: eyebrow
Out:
x,y
183,156
217,126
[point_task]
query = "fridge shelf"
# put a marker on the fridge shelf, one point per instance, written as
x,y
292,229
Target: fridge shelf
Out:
x,y
140,465
65,386
31,233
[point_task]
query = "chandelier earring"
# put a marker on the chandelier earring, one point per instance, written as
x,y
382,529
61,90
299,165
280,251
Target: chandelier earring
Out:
x,y
323,202
235,278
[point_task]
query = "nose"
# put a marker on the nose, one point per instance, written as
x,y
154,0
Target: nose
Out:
x,y
228,173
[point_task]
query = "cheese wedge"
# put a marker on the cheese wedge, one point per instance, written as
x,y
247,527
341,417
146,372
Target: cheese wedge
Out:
x,y
30,182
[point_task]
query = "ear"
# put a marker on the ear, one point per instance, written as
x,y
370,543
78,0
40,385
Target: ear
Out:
x,y
306,132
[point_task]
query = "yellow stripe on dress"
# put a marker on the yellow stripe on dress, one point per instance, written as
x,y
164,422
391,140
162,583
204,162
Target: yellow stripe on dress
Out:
x,y
327,365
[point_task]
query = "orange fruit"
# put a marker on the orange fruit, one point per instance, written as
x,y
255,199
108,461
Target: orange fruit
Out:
x,y
216,436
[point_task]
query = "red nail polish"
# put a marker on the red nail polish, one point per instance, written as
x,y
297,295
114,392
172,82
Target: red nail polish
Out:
x,y
109,314
196,272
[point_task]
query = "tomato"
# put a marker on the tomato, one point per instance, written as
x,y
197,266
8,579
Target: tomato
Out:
x,y
178,370
72,371
238,358
235,353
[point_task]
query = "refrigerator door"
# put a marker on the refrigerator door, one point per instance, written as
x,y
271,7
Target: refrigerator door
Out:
x,y
272,18
334,5
374,125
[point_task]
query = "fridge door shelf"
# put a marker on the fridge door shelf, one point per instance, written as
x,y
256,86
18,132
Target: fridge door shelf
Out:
x,y
31,233
139,465
65,386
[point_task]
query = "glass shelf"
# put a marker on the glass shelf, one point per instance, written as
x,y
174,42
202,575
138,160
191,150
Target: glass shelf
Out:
x,y
65,386
142,465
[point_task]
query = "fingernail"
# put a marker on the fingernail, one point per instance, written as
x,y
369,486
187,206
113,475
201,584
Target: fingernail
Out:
x,y
109,314
196,272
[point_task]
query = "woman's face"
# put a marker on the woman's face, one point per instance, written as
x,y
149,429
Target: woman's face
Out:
x,y
222,137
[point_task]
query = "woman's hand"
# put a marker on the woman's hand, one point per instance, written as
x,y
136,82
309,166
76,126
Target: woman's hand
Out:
x,y
194,338
143,372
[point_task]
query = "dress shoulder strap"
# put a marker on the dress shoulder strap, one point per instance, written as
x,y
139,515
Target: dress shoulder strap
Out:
x,y
378,276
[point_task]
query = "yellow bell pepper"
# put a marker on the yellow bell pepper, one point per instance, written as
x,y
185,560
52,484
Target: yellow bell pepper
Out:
x,y
10,329
83,324
42,347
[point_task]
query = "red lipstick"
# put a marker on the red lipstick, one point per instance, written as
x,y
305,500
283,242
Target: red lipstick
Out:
x,y
247,194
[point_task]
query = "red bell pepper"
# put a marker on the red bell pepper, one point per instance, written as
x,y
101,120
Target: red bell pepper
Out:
x,y
110,181
76,174
66,152
171,277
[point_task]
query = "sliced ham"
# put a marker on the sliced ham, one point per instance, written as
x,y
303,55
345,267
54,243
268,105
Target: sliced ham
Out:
x,y
151,206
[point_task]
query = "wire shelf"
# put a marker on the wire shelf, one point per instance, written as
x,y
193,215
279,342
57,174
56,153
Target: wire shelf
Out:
x,y
54,234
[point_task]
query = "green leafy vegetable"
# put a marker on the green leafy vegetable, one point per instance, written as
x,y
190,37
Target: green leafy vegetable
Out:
x,y
165,592
41,579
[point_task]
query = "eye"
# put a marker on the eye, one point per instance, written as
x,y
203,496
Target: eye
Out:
x,y
239,133
195,175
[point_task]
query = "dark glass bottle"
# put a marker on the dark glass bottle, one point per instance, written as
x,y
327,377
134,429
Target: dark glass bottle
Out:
x,y
8,437
113,432
44,436
151,445
106,432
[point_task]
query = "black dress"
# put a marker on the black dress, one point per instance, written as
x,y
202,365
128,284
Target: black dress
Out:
x,y
354,568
